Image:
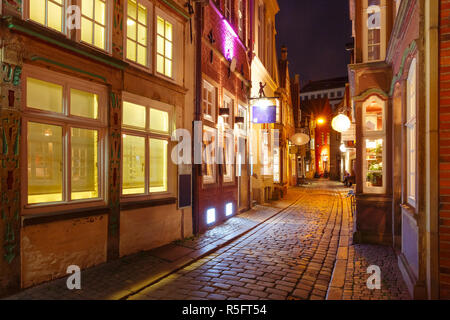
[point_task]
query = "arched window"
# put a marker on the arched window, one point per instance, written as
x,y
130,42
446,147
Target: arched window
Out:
x,y
410,124
374,138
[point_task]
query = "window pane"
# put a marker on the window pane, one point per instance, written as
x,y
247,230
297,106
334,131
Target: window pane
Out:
x,y
44,95
100,11
83,104
160,45
158,165
131,50
134,115
374,162
160,26
86,30
54,16
132,8
142,35
142,55
168,51
168,31
142,14
159,64
374,117
84,143
133,170
159,120
168,71
37,11
44,163
99,36
131,29
87,8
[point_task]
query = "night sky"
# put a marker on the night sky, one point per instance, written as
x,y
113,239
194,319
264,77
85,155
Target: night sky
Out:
x,y
315,32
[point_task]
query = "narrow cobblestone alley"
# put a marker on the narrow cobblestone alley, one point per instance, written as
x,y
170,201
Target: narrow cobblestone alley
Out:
x,y
303,252
291,256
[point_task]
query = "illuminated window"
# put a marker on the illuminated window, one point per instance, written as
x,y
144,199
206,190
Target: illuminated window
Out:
x,y
137,32
228,103
209,101
374,30
211,216
45,171
83,104
84,170
93,22
145,138
209,151
411,154
164,47
133,172
228,209
44,95
374,145
63,150
228,154
49,13
242,112
276,165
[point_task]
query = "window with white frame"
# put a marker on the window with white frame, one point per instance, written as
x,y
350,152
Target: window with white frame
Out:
x,y
228,103
164,45
276,165
411,144
49,13
242,113
374,139
374,30
209,155
94,21
146,129
137,31
228,156
65,123
209,101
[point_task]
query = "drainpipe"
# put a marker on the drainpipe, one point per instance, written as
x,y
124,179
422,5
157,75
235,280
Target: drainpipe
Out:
x,y
197,117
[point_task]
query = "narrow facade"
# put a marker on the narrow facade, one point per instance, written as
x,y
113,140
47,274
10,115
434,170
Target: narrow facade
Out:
x,y
264,158
393,84
223,182
87,114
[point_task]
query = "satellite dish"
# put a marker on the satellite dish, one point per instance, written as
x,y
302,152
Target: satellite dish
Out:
x,y
233,64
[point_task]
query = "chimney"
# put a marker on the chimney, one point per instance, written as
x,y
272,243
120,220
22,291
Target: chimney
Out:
x,y
284,53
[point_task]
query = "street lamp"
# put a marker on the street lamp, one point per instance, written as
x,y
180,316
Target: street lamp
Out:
x,y
321,121
343,148
341,123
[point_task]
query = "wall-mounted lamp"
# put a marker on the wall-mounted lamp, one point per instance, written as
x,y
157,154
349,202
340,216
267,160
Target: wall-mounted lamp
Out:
x,y
239,119
224,112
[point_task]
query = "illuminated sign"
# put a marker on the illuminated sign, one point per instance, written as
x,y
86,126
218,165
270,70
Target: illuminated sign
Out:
x,y
264,114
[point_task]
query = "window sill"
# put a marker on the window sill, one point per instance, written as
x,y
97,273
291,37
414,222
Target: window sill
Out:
x,y
141,204
36,219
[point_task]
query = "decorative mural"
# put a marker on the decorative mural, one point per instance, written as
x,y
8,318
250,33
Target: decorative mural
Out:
x,y
114,173
117,43
10,176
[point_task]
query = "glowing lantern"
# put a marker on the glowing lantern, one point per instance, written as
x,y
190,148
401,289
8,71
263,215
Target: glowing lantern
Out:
x,y
321,121
341,123
300,139
343,148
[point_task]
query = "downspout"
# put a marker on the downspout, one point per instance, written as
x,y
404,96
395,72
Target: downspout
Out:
x,y
197,117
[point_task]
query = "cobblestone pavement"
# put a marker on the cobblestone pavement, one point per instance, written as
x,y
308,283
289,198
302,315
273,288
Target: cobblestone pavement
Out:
x,y
304,252
292,256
